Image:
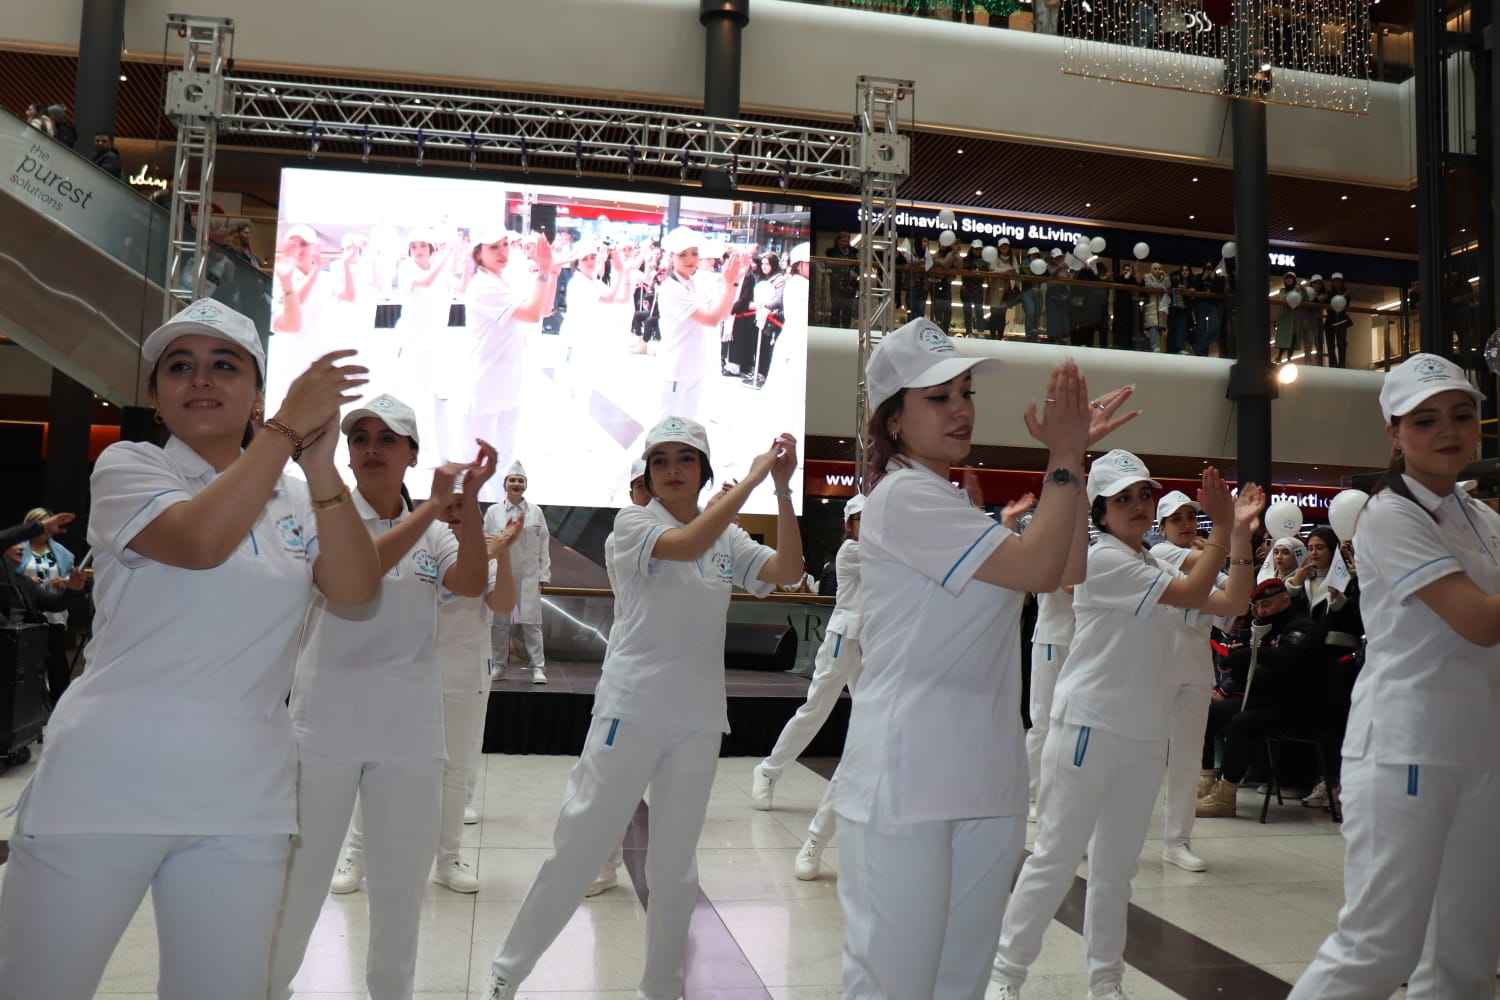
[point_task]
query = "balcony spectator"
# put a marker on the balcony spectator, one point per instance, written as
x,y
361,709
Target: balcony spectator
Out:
x,y
940,284
1179,311
1125,309
1286,319
1087,307
1207,282
971,291
106,158
1310,319
1336,323
1031,294
1004,290
916,281
1157,302
843,280
1057,292
1044,16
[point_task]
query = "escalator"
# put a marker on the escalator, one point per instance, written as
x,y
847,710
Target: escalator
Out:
x,y
83,260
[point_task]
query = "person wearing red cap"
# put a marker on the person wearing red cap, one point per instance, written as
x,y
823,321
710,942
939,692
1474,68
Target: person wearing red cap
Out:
x,y
1283,694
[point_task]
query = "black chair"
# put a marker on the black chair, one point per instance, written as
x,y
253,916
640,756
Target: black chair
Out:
x,y
1275,744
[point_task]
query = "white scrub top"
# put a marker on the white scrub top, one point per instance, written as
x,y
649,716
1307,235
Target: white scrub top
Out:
x,y
1192,659
665,663
1054,618
935,733
498,341
689,350
463,643
424,306
1120,663
179,725
848,603
530,555
1425,695
368,685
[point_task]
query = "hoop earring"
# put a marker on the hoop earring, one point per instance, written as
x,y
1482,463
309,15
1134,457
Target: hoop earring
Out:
x,y
156,416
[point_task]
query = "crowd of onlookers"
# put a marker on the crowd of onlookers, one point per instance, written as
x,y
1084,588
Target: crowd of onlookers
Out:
x,y
53,120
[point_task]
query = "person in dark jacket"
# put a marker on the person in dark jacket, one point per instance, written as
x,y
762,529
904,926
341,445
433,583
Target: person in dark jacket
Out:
x,y
106,157
1284,692
22,599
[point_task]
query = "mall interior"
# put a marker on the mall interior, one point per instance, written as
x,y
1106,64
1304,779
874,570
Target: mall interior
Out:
x,y
1250,231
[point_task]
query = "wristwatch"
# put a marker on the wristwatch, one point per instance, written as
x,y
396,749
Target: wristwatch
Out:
x,y
1062,477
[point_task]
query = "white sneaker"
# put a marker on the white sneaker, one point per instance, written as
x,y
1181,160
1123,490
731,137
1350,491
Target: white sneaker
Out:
x,y
1110,993
608,879
809,860
1004,991
1183,857
499,989
1318,797
471,815
762,788
455,875
538,675
347,875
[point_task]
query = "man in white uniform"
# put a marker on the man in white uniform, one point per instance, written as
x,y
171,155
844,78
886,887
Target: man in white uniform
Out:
x,y
530,567
690,309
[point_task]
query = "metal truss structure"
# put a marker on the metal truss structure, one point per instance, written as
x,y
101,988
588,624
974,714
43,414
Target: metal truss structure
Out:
x,y
873,158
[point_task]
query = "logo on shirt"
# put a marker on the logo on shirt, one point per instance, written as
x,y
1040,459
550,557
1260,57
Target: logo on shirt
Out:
x,y
289,530
426,565
725,563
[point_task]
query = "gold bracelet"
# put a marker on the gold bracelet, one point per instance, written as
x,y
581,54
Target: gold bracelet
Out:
x,y
1242,562
281,428
333,501
1216,545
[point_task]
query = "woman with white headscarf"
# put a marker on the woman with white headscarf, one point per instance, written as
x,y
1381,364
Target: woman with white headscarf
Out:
x,y
1286,555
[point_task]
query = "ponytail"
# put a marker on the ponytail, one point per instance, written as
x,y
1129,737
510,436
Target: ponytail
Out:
x,y
1393,478
406,499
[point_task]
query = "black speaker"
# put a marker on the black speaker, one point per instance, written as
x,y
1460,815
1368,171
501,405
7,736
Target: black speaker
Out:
x,y
756,646
544,220
23,708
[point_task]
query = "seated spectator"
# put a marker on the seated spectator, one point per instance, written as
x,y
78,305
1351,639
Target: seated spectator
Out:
x,y
1284,692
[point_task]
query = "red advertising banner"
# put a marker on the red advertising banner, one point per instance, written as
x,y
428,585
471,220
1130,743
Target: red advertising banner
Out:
x,y
999,486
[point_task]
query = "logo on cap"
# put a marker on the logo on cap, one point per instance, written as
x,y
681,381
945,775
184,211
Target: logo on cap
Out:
x,y
934,338
1125,463
203,312
1431,368
382,403
673,425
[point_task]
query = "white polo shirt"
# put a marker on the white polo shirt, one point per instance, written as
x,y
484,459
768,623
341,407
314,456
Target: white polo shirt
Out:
x,y
1054,618
424,306
935,733
368,685
848,605
463,643
1425,695
498,340
689,350
179,725
1192,659
1119,665
665,663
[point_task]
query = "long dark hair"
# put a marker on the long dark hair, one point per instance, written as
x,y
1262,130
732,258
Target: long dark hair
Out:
x,y
1393,478
881,447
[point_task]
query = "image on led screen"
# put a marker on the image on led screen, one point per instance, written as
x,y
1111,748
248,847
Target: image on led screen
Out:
x,y
433,281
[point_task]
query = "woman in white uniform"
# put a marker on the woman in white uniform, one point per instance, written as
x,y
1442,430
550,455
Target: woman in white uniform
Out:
x,y
170,765
367,707
530,567
1050,640
1190,685
931,800
1106,749
1421,777
691,307
660,708
835,666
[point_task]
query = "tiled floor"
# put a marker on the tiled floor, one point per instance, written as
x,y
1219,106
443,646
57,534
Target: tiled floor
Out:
x,y
1269,898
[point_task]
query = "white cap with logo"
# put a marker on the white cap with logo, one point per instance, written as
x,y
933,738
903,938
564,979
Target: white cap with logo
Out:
x,y
676,430
916,355
855,504
1173,502
681,239
1114,471
388,409
1419,378
212,319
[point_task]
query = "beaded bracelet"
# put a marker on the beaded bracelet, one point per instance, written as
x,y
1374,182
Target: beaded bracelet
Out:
x,y
281,428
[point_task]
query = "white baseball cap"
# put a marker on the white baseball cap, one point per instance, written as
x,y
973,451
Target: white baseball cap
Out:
x,y
302,231
1004,241
1316,277
1114,471
1173,502
516,469
1032,250
801,253
916,355
212,319
682,239
637,469
1336,274
389,410
486,235
676,430
1419,378
855,504
422,236
976,244
1057,251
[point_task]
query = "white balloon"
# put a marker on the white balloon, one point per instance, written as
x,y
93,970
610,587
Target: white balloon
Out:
x,y
1082,251
990,255
1284,519
1227,250
1142,251
1338,303
946,237
1097,244
1072,261
1343,513
1293,299
946,217
1039,266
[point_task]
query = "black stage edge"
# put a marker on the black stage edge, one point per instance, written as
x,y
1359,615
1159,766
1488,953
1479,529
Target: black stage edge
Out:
x,y
553,718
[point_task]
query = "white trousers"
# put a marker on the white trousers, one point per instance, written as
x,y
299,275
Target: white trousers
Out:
x,y
1184,761
836,664
620,761
1098,790
463,718
67,900
1047,661
1418,864
400,803
476,751
531,635
681,398
922,905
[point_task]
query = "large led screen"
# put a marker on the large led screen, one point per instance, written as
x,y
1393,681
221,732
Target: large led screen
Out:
x,y
433,280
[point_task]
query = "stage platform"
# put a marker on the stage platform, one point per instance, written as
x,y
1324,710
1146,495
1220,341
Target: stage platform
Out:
x,y
553,718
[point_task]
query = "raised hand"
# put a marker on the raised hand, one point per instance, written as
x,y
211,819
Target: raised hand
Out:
x,y
543,255
760,467
318,447
317,393
1016,508
1102,419
481,470
1213,497
57,524
1064,425
1248,505
785,465
443,478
